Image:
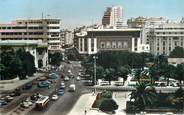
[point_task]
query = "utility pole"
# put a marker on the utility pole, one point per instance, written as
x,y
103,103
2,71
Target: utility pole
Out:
x,y
94,57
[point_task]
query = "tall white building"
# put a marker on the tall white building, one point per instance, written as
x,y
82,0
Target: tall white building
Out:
x,y
113,17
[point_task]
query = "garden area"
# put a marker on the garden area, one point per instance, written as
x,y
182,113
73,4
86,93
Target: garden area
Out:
x,y
105,103
145,98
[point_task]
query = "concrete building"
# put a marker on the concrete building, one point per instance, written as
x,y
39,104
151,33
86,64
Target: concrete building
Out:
x,y
113,17
47,30
67,37
38,36
37,48
145,23
95,40
165,37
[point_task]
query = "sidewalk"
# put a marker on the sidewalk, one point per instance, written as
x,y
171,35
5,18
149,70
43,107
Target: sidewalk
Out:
x,y
11,86
85,102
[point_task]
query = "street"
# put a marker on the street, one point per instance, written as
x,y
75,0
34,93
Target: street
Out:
x,y
65,103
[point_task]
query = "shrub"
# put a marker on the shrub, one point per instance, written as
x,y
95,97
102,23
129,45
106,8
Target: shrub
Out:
x,y
108,105
107,94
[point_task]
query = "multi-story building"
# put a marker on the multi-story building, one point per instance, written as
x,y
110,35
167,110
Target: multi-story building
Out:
x,y
113,17
67,37
145,23
95,40
32,34
165,37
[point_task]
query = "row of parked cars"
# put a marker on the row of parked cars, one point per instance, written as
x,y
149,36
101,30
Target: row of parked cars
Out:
x,y
4,100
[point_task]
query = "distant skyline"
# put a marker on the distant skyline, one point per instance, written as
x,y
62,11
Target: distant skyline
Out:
x,y
75,13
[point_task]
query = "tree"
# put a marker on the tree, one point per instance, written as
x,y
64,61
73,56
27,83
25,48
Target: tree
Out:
x,y
109,74
108,105
99,72
143,96
123,72
17,63
2,71
169,72
178,52
180,72
55,58
178,100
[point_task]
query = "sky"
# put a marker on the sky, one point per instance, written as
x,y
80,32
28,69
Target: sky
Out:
x,y
75,13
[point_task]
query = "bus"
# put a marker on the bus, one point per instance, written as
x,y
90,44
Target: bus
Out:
x,y
42,102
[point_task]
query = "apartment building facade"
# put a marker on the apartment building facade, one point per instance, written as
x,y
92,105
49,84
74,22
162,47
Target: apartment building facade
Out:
x,y
113,17
165,37
34,35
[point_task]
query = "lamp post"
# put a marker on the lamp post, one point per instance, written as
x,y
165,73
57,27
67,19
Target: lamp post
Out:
x,y
95,57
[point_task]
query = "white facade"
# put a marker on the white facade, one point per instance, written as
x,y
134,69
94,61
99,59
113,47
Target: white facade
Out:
x,y
34,35
116,18
113,17
47,30
31,46
95,40
67,37
165,37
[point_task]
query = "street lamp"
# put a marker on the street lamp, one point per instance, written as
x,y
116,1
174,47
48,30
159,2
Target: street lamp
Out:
x,y
95,57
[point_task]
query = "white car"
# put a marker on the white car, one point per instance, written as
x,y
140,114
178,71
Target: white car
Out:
x,y
54,97
62,85
26,104
66,78
78,78
72,87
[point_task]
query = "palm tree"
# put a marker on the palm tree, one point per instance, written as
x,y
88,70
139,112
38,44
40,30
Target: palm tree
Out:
x,y
154,73
138,75
143,96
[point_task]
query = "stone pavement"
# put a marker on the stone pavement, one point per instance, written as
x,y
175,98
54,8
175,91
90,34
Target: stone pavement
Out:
x,y
85,102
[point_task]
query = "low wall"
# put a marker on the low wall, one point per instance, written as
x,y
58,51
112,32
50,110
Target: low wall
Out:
x,y
9,81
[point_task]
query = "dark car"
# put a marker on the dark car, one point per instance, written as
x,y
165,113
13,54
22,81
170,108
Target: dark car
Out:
x,y
61,92
3,103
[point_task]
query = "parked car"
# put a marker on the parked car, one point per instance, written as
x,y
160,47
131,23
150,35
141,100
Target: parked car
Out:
x,y
8,98
60,92
54,97
53,76
66,78
43,84
3,103
62,85
28,86
26,104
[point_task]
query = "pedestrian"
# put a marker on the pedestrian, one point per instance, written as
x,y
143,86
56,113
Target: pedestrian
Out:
x,y
85,111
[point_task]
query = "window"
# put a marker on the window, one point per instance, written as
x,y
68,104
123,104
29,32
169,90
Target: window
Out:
x,y
102,45
163,43
119,44
125,44
113,44
108,44
169,48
